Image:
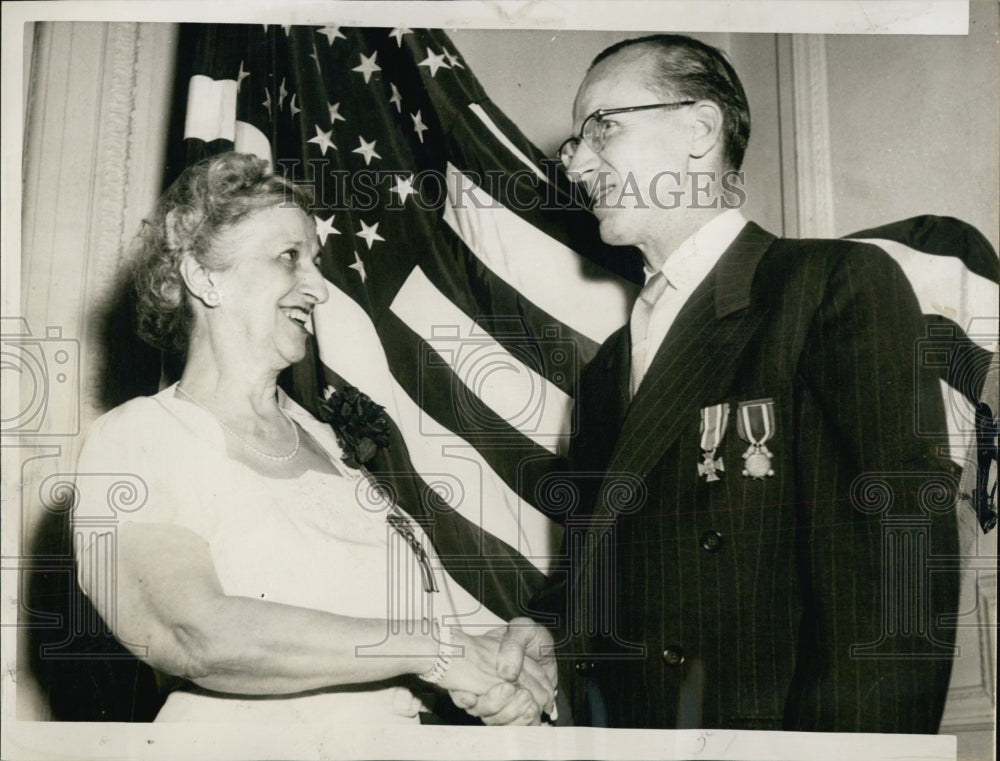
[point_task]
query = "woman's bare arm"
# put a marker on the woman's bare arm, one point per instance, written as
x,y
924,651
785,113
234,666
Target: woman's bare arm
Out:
x,y
171,611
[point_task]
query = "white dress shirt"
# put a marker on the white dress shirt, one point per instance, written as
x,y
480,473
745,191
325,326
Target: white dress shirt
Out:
x,y
685,268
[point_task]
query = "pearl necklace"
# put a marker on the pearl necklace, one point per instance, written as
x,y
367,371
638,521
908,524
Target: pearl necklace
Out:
x,y
247,444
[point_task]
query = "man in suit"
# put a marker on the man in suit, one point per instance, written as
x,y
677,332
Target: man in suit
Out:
x,y
758,523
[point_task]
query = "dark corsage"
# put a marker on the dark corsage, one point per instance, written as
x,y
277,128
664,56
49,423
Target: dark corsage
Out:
x,y
360,424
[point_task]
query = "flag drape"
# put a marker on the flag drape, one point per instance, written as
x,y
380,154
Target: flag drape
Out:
x,y
448,243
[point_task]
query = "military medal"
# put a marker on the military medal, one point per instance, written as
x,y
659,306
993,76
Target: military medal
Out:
x,y
713,428
755,425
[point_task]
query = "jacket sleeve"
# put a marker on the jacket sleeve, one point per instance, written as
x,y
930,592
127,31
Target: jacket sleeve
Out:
x,y
876,537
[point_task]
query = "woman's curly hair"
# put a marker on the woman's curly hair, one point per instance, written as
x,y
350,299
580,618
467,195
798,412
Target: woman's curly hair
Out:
x,y
208,198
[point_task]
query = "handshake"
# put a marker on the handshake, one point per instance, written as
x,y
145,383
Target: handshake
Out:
x,y
506,676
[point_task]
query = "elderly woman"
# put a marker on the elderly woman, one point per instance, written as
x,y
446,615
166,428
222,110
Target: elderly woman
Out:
x,y
254,571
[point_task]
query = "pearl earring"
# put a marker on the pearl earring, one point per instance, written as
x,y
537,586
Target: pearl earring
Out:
x,y
212,297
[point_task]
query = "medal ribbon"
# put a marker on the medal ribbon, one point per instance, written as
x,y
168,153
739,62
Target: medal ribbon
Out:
x,y
714,420
755,422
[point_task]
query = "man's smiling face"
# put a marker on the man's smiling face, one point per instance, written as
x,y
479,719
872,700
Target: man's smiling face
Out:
x,y
633,180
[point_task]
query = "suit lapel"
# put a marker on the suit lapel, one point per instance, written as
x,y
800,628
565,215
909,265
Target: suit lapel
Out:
x,y
617,368
695,363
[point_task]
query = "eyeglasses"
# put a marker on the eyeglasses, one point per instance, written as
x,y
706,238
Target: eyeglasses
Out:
x,y
593,131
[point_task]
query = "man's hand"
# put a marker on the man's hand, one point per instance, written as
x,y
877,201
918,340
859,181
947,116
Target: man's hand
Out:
x,y
503,705
526,660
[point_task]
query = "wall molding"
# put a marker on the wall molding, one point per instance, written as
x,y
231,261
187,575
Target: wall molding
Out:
x,y
111,166
812,137
972,697
110,190
97,115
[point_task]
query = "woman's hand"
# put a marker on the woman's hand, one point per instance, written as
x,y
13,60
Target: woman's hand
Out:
x,y
473,665
526,661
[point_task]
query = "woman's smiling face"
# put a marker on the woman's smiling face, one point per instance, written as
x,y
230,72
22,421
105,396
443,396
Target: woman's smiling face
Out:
x,y
271,284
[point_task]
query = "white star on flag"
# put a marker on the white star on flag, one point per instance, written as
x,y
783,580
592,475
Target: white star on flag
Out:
x,y
370,234
359,266
367,150
287,28
241,76
404,186
322,139
325,228
267,102
368,66
396,98
434,62
398,33
332,32
453,60
335,113
282,94
418,125
292,107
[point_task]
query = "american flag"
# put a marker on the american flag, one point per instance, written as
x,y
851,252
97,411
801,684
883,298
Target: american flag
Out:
x,y
468,282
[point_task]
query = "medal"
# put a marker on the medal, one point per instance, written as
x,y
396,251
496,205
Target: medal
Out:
x,y
755,425
758,462
713,428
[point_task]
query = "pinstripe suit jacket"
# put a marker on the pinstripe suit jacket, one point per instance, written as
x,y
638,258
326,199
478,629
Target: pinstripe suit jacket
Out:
x,y
802,601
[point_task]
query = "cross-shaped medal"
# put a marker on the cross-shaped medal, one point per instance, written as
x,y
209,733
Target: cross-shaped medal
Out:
x,y
710,466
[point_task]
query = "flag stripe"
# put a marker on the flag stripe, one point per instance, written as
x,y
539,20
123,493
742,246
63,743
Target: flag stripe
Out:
x,y
508,315
249,139
943,236
436,390
211,109
509,247
477,109
515,392
558,207
968,297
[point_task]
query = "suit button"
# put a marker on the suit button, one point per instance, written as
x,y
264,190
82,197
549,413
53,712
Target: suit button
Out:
x,y
674,655
584,667
711,541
